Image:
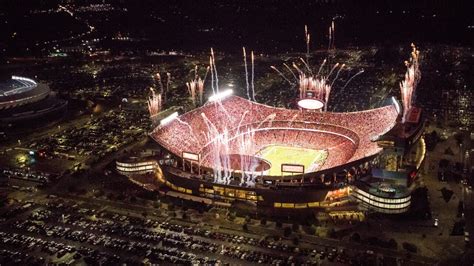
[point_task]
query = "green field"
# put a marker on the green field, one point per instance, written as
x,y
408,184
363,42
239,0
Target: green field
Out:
x,y
278,155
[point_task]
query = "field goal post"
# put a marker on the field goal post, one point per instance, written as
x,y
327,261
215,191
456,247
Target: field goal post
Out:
x,y
191,157
292,169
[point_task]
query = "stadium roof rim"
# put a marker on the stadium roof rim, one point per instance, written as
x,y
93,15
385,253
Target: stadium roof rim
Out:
x,y
282,108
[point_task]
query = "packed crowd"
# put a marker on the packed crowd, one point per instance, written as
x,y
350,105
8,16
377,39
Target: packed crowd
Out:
x,y
198,128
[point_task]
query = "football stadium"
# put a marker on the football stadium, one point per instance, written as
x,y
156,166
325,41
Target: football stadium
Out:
x,y
234,149
23,101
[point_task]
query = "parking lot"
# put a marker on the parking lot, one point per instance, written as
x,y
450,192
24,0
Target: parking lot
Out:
x,y
60,231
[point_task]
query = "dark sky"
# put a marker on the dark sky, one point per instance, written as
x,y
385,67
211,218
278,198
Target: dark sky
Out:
x,y
262,24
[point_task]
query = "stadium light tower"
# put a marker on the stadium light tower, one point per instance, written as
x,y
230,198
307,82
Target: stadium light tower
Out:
x,y
221,95
168,119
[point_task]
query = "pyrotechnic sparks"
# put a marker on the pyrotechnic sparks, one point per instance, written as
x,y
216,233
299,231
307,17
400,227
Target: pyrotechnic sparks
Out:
x,y
337,74
253,75
297,69
246,73
291,71
160,83
318,86
412,78
154,106
215,70
281,74
168,80
333,35
307,66
307,38
332,69
321,67
329,39
347,83
196,87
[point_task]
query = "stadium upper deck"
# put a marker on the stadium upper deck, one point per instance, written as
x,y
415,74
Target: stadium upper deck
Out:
x,y
347,137
20,91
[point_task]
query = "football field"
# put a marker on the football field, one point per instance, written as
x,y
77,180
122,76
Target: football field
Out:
x,y
277,155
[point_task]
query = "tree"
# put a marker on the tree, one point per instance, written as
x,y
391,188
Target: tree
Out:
x,y
245,227
263,221
287,231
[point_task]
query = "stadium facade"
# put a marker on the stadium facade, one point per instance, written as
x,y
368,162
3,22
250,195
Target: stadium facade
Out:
x,y
26,103
351,142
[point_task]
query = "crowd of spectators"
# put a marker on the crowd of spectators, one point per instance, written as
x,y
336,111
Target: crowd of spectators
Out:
x,y
347,136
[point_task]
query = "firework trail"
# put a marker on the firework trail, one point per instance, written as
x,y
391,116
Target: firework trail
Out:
x,y
357,74
158,79
281,74
190,130
337,74
298,69
200,85
332,69
307,38
409,84
205,75
196,85
333,35
327,91
192,90
307,66
291,71
154,105
253,75
168,80
329,40
321,67
215,70
246,72
212,75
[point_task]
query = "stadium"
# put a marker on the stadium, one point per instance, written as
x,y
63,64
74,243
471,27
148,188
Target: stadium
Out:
x,y
23,100
236,149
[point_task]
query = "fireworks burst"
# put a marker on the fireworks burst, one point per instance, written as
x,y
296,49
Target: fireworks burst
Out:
x,y
196,87
412,78
154,106
319,86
